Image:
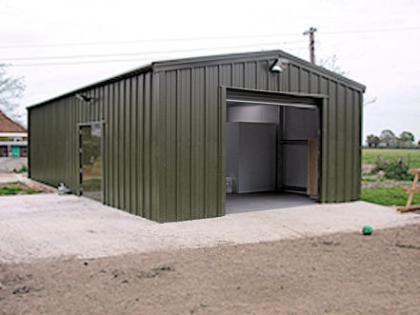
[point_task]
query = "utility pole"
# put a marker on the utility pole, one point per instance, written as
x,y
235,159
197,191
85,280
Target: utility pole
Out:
x,y
311,33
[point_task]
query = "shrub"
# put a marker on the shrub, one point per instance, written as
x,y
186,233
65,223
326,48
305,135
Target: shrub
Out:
x,y
23,169
397,170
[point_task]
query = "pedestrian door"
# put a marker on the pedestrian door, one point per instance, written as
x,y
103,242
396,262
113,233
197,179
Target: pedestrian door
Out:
x,y
91,161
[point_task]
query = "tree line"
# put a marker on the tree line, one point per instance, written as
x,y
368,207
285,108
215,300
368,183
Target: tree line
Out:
x,y
388,139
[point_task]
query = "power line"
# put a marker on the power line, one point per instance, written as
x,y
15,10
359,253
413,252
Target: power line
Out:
x,y
98,61
75,63
147,40
203,38
380,30
153,52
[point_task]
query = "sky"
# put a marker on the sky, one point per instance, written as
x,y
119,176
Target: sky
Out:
x,y
57,46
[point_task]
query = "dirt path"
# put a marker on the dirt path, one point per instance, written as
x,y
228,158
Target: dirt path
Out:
x,y
344,274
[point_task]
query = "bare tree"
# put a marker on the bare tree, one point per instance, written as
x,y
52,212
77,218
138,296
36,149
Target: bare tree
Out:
x,y
11,89
331,64
368,101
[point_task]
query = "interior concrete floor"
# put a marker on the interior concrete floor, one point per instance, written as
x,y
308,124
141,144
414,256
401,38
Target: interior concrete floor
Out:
x,y
239,203
94,195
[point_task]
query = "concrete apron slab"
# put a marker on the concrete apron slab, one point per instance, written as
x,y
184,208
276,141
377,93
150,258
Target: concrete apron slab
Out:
x,y
9,178
6,178
48,225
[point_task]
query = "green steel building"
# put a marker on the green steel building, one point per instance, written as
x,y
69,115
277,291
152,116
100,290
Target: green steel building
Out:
x,y
175,139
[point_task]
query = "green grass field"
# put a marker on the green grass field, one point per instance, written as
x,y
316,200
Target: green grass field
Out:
x,y
412,157
388,196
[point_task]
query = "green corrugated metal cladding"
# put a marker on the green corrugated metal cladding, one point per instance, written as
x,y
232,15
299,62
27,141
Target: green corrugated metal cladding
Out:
x,y
163,149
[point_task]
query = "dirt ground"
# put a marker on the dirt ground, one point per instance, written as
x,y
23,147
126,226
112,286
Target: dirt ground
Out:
x,y
338,274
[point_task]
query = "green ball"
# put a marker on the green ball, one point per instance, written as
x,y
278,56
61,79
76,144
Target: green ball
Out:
x,y
367,230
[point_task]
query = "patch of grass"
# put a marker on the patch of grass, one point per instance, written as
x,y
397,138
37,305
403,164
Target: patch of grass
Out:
x,y
10,190
16,189
369,179
412,157
387,196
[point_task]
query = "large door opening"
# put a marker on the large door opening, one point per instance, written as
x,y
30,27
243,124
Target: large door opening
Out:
x,y
272,152
91,161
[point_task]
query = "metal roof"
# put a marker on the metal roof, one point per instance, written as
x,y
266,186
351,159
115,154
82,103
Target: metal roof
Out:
x,y
207,60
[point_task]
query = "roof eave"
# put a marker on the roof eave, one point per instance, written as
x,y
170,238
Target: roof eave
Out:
x,y
143,69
